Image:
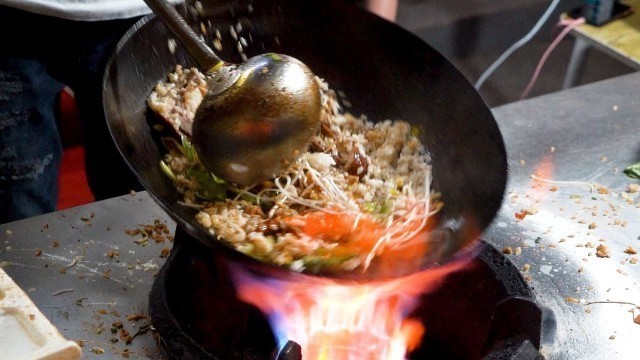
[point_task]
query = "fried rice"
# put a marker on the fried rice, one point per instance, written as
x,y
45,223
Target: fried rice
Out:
x,y
361,189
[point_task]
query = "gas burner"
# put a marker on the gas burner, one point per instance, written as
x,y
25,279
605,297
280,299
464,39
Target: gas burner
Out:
x,y
485,311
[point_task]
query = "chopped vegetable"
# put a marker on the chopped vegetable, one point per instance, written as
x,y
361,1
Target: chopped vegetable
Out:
x,y
189,151
377,207
633,171
211,187
361,235
167,171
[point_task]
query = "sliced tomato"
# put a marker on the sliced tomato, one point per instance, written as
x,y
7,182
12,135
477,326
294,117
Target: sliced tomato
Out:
x,y
354,234
359,238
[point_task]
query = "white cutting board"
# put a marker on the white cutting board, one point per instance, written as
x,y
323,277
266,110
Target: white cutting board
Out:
x,y
25,333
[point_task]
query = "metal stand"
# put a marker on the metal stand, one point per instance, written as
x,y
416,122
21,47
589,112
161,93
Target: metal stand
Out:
x,y
576,63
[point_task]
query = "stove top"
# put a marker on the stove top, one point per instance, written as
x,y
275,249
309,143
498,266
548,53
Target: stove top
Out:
x,y
485,311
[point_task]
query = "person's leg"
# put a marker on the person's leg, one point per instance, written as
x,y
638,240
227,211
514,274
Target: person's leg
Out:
x,y
30,148
107,173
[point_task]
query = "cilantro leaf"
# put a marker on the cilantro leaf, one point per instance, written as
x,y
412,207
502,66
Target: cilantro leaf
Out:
x,y
633,171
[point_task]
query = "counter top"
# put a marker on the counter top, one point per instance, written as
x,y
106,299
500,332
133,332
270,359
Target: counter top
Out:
x,y
90,269
582,138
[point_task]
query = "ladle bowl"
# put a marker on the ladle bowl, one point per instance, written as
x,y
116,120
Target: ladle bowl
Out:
x,y
267,118
256,116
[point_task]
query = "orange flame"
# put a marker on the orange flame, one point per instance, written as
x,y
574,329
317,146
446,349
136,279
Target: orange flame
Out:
x,y
339,320
543,171
541,177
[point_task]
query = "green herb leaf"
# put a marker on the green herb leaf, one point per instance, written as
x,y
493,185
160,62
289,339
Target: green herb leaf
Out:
x,y
376,207
189,151
167,170
633,171
316,263
211,189
217,179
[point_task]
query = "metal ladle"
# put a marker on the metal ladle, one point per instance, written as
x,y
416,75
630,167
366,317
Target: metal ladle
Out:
x,y
257,116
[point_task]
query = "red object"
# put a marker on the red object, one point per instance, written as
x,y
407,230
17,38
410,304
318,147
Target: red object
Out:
x,y
73,189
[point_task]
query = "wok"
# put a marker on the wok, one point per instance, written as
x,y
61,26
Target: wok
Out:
x,y
385,71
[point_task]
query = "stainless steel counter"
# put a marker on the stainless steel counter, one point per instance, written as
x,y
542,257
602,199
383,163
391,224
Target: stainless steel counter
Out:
x,y
587,135
90,269
87,269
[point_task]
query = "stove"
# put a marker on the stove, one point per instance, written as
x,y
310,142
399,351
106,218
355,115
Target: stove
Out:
x,y
486,311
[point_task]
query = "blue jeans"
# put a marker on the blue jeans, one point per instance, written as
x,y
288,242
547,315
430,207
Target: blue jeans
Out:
x,y
34,67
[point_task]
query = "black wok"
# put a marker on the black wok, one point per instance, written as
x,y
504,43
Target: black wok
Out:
x,y
385,71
